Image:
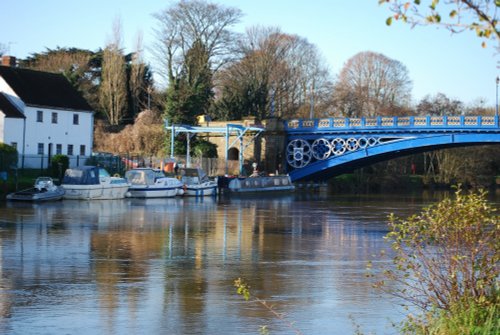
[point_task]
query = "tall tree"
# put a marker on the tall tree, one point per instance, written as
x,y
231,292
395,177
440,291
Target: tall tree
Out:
x,y
372,84
193,41
113,90
480,16
194,21
190,93
137,82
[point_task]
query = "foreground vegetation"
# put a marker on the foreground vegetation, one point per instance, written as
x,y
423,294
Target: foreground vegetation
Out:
x,y
447,265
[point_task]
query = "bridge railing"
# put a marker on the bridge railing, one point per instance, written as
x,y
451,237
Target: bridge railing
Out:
x,y
462,121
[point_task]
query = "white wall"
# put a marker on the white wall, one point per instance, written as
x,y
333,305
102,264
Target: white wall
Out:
x,y
63,132
13,132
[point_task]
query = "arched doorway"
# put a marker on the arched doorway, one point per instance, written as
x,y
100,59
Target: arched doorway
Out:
x,y
233,154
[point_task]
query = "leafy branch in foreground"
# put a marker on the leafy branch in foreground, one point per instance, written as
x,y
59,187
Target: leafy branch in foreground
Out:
x,y
447,264
243,289
455,15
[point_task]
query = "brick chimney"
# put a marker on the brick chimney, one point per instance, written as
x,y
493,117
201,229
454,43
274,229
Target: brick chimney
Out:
x,y
9,61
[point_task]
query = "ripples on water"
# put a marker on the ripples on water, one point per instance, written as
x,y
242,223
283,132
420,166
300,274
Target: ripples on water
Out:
x,y
166,266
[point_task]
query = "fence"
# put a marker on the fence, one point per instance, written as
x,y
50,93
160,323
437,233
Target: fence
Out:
x,y
119,164
42,162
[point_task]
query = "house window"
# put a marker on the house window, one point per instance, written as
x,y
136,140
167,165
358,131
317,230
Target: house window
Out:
x,y
40,148
39,116
14,145
82,150
76,119
54,117
70,149
58,149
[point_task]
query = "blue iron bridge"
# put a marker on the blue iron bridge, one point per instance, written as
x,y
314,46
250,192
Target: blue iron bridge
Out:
x,y
317,149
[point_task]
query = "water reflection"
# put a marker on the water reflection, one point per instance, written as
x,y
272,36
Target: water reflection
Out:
x,y
167,265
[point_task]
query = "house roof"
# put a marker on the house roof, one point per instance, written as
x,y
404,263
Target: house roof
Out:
x,y
9,109
43,89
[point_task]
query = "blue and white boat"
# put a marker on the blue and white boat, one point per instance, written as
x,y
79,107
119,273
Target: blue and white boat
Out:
x,y
196,183
152,183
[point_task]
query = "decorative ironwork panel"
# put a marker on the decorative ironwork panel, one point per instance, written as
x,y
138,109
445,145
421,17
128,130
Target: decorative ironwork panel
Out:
x,y
471,120
453,121
420,121
403,121
387,122
293,124
371,122
437,121
308,123
488,121
339,122
355,122
324,123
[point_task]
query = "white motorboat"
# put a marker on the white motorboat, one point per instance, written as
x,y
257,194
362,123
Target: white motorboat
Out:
x,y
152,183
44,189
196,182
278,183
92,182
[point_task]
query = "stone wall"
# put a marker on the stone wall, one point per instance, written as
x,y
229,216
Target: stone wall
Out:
x,y
266,149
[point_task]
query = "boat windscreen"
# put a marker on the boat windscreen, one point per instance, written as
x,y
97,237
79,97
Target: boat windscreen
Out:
x,y
81,177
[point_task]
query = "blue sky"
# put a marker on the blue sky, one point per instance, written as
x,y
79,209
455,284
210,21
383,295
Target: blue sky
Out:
x,y
438,61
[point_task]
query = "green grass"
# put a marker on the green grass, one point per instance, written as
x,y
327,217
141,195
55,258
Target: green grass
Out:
x,y
471,319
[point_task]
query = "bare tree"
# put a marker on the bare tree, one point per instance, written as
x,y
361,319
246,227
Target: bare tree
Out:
x,y
276,75
194,21
113,90
372,84
440,105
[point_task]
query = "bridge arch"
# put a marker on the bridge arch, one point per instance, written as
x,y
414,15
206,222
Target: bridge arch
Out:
x,y
318,153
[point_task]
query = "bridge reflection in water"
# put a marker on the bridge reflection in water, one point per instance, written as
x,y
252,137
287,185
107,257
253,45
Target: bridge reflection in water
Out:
x,y
317,149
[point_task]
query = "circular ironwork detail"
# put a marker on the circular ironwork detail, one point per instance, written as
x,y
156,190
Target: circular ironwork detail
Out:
x,y
352,144
298,153
321,149
338,146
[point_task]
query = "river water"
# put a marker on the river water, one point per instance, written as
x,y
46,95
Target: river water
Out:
x,y
167,266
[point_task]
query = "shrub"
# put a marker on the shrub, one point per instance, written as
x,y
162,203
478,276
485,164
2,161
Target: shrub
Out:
x,y
8,157
59,164
447,262
206,149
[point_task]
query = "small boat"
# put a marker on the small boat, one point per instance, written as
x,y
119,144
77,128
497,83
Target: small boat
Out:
x,y
196,182
44,189
152,183
278,183
92,182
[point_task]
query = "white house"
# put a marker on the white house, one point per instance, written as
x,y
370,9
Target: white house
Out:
x,y
42,114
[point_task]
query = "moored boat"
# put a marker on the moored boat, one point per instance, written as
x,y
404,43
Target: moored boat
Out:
x,y
92,182
278,183
196,182
152,183
44,189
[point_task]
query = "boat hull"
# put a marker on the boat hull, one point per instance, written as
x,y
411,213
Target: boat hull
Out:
x,y
200,190
38,196
261,184
97,192
152,192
